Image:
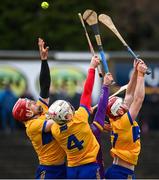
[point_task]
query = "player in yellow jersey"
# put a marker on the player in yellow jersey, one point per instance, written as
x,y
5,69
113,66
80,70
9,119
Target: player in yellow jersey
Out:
x,y
72,130
125,134
38,128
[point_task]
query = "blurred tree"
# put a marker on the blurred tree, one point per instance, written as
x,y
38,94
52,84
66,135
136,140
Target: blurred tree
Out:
x,y
21,22
137,22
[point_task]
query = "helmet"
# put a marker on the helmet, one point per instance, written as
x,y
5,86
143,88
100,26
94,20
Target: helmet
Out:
x,y
19,110
114,104
58,111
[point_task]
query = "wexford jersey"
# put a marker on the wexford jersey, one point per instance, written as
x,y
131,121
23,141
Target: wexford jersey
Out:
x,y
125,139
48,150
77,139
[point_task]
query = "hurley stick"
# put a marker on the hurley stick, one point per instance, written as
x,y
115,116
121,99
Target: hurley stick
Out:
x,y
122,88
90,44
107,21
90,17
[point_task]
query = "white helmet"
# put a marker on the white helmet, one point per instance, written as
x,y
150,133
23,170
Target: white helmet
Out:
x,y
58,111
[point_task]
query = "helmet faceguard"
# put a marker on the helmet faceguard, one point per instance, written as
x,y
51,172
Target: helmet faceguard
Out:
x,y
60,110
114,104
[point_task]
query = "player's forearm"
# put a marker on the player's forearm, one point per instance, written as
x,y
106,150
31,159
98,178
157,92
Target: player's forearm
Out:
x,y
132,83
140,88
103,102
88,88
44,79
131,88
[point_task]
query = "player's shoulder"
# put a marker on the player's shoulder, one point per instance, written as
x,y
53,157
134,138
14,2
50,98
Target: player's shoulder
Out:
x,y
43,103
81,115
122,122
35,124
82,110
55,128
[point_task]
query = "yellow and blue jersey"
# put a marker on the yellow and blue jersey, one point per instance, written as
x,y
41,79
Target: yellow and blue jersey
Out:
x,y
48,150
125,139
77,139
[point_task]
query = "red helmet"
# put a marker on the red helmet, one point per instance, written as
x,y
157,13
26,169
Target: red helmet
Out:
x,y
20,110
114,104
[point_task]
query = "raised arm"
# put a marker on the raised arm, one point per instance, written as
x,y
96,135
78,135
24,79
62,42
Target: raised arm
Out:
x,y
139,91
129,96
102,105
88,86
44,78
98,122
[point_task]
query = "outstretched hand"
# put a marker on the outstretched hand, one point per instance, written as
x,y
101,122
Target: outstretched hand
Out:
x,y
43,51
95,61
142,67
108,79
136,62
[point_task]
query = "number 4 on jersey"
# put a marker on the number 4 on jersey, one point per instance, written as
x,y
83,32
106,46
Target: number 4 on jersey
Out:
x,y
73,142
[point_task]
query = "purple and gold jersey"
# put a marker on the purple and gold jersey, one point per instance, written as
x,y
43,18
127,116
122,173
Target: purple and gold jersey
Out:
x,y
77,139
48,150
125,139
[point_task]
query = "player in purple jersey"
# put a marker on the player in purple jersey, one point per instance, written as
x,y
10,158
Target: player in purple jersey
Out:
x,y
99,119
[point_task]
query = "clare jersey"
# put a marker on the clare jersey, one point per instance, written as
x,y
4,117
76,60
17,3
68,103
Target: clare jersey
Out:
x,y
125,139
77,139
47,148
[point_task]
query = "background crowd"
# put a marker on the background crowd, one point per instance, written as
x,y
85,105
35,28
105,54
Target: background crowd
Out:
x,y
69,91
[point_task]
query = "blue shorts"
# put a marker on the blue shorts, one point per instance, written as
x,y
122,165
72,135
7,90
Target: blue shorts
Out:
x,y
119,172
51,172
86,171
